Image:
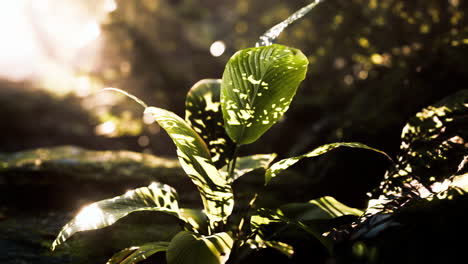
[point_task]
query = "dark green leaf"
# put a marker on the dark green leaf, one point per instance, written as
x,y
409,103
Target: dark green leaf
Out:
x,y
156,197
259,243
197,220
433,147
323,208
265,217
190,248
282,165
203,113
257,88
248,164
138,253
307,216
195,159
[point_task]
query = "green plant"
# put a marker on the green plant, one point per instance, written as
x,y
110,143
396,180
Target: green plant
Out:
x,y
255,91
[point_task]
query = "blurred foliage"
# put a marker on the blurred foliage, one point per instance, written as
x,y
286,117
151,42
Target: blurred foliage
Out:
x,y
369,59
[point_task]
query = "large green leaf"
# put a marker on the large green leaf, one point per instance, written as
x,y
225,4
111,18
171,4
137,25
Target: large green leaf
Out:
x,y
257,88
259,243
155,197
248,164
283,164
190,248
433,147
196,219
308,216
203,113
138,253
323,208
195,158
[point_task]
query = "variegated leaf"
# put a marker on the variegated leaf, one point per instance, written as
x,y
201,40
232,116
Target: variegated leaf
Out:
x,y
203,113
248,164
195,158
155,197
187,247
257,88
283,164
136,254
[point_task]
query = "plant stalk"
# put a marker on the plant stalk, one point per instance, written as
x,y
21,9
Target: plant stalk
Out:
x,y
232,163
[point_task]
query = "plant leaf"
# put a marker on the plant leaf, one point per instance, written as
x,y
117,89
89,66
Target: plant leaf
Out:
x,y
265,217
283,164
433,146
190,248
259,243
196,219
248,164
195,158
155,197
307,216
203,113
138,253
257,88
323,208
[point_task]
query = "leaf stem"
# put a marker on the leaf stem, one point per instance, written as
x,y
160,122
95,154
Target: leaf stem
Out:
x,y
131,96
232,163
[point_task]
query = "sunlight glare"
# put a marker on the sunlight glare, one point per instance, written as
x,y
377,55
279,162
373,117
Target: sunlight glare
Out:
x,y
110,5
19,44
89,216
40,37
89,33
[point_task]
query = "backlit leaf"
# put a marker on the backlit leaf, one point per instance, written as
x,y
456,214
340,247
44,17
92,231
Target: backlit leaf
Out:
x,y
155,197
138,253
260,243
282,165
195,158
190,248
196,218
433,147
323,208
257,88
307,216
248,164
203,113
264,217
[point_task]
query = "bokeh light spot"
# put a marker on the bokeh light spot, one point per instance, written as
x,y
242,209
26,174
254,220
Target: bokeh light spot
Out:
x,y
217,48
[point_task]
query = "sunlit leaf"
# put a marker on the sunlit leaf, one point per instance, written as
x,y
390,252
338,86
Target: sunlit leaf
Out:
x,y
260,243
155,197
257,88
307,216
282,165
248,164
203,113
322,208
461,182
138,253
190,248
269,37
433,147
264,217
197,220
195,159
